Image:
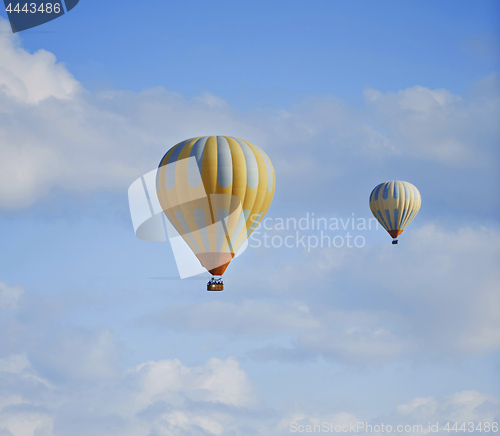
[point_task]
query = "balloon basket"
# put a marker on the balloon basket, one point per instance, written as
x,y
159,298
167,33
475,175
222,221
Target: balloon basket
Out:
x,y
215,284
395,242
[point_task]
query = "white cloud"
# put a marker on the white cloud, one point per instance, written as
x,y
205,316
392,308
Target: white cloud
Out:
x,y
219,381
21,415
26,424
14,363
438,124
10,296
461,407
166,397
31,78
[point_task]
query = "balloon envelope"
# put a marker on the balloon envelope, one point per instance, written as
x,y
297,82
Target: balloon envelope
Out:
x,y
394,204
215,190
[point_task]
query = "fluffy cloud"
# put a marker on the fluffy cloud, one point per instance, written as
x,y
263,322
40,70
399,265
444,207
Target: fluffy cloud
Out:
x,y
219,382
31,78
461,407
14,363
21,412
10,296
163,397
438,124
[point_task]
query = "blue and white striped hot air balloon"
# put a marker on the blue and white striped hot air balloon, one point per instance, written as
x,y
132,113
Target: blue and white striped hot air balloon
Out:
x,y
394,204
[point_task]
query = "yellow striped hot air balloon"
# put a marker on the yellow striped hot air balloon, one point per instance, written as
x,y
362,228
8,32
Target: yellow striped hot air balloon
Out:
x,y
394,204
215,190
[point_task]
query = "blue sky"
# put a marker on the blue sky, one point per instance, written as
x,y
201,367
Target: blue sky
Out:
x,y
272,53
341,96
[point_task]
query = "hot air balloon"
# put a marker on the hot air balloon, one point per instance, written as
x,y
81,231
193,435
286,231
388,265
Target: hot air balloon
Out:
x,y
394,204
215,190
